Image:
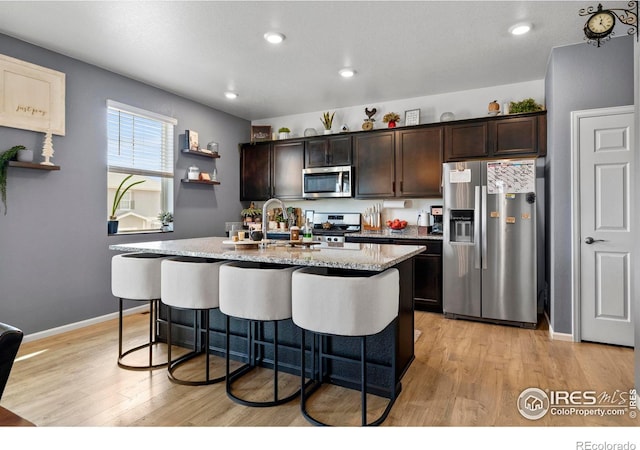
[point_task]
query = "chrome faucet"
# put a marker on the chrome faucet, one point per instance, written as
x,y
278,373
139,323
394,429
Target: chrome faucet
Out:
x,y
265,208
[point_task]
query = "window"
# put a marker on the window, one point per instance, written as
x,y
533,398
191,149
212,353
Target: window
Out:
x,y
140,143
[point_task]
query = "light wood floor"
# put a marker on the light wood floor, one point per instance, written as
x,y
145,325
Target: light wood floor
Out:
x,y
464,374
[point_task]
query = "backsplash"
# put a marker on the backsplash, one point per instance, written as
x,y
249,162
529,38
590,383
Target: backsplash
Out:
x,y
409,212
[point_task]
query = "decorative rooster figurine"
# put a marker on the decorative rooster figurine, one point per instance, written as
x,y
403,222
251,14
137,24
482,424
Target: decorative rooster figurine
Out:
x,y
368,123
370,114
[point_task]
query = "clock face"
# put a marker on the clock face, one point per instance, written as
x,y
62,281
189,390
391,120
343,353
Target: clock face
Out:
x,y
601,23
367,125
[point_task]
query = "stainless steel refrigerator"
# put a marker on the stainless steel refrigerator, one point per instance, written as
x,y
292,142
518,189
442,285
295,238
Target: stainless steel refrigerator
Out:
x,y
489,248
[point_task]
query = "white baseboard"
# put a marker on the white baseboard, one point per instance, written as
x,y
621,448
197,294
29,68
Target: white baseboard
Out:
x,y
558,336
82,324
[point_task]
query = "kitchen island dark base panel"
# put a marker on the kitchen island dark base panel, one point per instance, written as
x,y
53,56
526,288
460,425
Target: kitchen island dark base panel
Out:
x,y
343,371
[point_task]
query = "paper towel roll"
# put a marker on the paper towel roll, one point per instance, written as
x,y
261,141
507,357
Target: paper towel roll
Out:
x,y
394,204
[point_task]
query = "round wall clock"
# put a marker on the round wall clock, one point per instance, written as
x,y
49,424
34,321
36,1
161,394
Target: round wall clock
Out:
x,y
600,25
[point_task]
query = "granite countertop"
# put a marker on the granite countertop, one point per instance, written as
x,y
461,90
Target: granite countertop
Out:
x,y
411,232
349,256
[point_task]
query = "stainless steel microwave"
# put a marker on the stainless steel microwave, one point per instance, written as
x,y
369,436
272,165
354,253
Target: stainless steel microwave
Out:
x,y
320,182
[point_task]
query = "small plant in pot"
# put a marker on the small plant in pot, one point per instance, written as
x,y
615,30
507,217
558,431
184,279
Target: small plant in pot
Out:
x,y
112,224
251,214
166,218
283,133
525,106
327,121
391,118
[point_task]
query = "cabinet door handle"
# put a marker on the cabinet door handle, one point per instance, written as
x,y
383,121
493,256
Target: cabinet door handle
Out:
x,y
402,186
393,186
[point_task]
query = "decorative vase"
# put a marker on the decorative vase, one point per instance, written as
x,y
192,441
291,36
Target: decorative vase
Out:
x,y
447,116
392,124
25,155
112,226
327,131
283,135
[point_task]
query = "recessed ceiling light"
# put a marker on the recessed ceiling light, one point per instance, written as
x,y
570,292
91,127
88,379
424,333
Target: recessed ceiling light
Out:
x,y
347,72
230,95
520,28
273,37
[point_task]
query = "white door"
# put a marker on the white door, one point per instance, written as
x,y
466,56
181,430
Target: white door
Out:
x,y
604,236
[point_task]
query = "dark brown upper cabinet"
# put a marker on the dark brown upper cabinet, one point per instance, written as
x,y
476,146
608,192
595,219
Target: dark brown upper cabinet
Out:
x,y
328,151
466,140
255,176
401,163
288,161
498,137
374,161
419,162
271,170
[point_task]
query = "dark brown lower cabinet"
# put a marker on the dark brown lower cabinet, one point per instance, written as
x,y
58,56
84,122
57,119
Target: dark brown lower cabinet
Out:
x,y
427,284
427,270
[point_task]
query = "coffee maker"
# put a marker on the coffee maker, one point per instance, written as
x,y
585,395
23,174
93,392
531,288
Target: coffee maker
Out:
x,y
436,213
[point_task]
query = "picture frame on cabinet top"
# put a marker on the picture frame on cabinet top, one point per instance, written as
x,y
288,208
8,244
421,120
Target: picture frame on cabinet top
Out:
x,y
412,117
260,133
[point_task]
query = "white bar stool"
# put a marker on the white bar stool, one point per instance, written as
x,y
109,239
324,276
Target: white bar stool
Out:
x,y
257,294
136,277
349,304
191,284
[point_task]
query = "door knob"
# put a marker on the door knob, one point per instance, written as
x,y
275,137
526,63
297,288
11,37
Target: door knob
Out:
x,y
590,240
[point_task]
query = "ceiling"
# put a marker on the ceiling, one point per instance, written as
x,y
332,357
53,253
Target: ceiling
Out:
x,y
200,49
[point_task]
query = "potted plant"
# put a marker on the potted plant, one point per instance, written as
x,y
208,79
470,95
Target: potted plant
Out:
x,y
327,121
5,157
166,218
525,106
279,219
112,224
283,133
391,118
251,213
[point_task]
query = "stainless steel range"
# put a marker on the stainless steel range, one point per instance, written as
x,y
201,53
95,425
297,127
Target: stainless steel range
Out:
x,y
332,227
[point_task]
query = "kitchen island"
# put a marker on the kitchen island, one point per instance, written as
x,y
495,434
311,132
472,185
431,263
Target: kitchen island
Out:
x,y
338,258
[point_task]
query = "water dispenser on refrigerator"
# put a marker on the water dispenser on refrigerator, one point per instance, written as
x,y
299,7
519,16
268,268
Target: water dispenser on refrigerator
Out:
x,y
461,225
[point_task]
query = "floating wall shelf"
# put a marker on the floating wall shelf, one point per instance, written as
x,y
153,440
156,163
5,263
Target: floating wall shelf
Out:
x,y
209,182
200,153
28,165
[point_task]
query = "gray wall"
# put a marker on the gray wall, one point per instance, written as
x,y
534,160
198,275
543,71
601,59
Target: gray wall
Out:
x,y
578,77
54,257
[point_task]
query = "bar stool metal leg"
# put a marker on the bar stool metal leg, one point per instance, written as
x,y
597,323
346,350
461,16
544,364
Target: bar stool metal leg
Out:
x,y
306,393
152,340
252,364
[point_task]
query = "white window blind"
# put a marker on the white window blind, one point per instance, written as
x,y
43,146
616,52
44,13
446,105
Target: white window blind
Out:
x,y
139,142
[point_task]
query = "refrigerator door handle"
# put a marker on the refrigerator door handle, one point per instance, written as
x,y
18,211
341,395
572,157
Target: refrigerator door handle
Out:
x,y
476,228
484,227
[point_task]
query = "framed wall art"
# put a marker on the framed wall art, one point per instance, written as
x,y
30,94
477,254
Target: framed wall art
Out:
x,y
31,97
191,138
